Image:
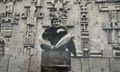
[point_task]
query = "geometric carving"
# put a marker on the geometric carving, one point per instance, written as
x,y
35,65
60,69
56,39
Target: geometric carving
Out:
x,y
9,7
85,42
34,1
96,53
31,14
2,45
107,1
6,27
112,28
58,10
3,14
25,14
85,34
39,14
29,36
5,1
77,2
105,5
116,46
85,45
16,18
116,53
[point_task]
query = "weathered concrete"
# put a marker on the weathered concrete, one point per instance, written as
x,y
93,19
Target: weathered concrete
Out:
x,y
102,52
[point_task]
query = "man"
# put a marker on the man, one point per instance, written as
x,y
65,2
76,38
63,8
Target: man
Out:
x,y
58,37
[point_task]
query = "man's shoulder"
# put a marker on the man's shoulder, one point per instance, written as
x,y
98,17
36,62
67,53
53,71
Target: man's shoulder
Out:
x,y
50,29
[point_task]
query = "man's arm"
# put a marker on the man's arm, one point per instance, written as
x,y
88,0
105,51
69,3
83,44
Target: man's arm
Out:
x,y
44,43
64,40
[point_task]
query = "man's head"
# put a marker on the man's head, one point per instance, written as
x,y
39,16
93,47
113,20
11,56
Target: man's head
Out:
x,y
55,22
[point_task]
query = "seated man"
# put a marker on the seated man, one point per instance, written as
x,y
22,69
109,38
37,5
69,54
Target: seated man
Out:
x,y
59,39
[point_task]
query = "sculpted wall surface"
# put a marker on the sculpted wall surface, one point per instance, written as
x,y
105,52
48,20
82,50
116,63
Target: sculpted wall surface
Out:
x,y
93,24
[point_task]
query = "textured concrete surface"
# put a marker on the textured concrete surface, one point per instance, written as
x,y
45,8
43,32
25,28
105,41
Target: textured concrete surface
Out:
x,y
102,53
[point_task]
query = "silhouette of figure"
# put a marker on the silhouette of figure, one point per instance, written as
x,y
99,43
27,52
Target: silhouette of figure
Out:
x,y
59,39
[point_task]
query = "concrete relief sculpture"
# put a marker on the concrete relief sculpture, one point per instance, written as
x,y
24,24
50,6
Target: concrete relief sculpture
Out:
x,y
75,35
112,29
2,46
